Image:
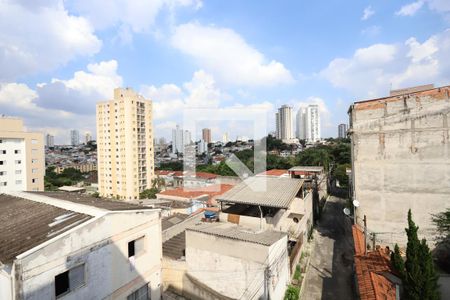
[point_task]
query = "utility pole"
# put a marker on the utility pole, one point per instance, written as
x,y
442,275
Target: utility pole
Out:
x,y
365,235
373,240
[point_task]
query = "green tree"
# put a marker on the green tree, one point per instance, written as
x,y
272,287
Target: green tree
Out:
x,y
420,279
340,173
397,262
442,251
292,293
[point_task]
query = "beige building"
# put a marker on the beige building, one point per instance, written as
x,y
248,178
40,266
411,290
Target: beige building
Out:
x,y
206,135
401,160
84,168
22,163
125,145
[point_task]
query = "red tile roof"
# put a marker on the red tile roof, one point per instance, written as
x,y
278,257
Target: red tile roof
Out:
x,y
193,193
275,172
369,268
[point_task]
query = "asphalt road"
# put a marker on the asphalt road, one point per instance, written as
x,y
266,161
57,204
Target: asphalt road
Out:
x,y
329,275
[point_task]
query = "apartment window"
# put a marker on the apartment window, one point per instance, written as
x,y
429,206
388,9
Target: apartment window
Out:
x,y
33,161
18,162
3,183
33,141
18,172
139,294
2,173
16,151
136,247
18,181
34,171
3,151
34,180
69,280
2,162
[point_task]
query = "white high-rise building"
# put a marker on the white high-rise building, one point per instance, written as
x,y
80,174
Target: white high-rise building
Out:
x,y
88,137
342,131
225,138
308,123
180,138
74,137
202,147
49,140
284,123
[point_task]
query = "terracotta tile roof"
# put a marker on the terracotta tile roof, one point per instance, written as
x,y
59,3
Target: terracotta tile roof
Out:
x,y
275,172
205,175
372,284
211,191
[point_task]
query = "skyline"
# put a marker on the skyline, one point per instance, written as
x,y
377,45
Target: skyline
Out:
x,y
202,54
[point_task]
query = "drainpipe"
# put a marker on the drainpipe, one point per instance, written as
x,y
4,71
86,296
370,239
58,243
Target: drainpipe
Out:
x,y
260,218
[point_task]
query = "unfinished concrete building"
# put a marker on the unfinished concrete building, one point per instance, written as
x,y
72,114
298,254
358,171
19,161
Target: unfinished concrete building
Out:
x,y
401,160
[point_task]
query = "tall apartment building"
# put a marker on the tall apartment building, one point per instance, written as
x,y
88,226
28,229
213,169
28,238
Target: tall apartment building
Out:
x,y
284,123
308,123
206,135
342,131
401,160
88,137
225,138
22,162
74,137
49,140
125,145
180,138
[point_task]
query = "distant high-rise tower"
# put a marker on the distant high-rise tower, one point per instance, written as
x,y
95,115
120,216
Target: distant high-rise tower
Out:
x,y
308,123
125,145
225,138
22,162
342,131
284,123
180,138
74,137
88,137
50,141
206,134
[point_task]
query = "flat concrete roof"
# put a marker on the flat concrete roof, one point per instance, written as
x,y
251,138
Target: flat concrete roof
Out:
x,y
307,168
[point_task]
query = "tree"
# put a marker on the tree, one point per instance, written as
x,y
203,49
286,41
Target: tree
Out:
x,y
150,193
397,262
442,251
420,279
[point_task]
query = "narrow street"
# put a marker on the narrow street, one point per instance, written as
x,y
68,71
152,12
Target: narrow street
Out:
x,y
329,275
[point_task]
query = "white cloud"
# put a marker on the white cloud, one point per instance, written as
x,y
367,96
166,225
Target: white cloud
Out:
x,y
372,71
371,31
41,38
169,99
410,9
226,55
367,13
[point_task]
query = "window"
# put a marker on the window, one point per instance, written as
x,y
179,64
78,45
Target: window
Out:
x,y
33,161
140,294
69,280
3,183
33,141
34,180
16,151
2,173
136,247
18,162
3,151
2,162
18,172
34,170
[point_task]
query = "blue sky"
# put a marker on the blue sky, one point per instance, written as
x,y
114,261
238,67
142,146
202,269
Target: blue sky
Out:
x,y
59,58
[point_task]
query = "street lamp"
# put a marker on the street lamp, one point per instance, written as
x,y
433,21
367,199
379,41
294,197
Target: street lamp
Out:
x,y
355,205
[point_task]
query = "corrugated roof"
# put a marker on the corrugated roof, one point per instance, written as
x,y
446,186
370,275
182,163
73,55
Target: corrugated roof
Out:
x,y
307,168
25,224
237,232
264,191
173,220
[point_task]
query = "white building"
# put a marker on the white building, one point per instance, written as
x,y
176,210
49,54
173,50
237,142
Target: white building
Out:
x,y
180,138
308,123
284,123
88,137
74,137
202,147
342,131
49,140
225,138
78,248
22,162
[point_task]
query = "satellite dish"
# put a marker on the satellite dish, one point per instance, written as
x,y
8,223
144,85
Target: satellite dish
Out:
x,y
355,203
347,211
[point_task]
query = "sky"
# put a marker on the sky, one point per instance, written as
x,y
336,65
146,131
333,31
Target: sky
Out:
x,y
58,58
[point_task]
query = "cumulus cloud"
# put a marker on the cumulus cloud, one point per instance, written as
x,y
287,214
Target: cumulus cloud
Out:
x,y
367,13
410,9
225,54
41,37
372,71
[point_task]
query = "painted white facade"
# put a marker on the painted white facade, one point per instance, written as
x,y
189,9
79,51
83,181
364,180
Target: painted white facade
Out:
x,y
308,123
13,175
74,137
284,123
101,246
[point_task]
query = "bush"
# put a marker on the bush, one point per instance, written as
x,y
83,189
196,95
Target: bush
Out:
x,y
292,293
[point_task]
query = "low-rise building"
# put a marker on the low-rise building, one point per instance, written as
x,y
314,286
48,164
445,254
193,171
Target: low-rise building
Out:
x,y
78,247
84,168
